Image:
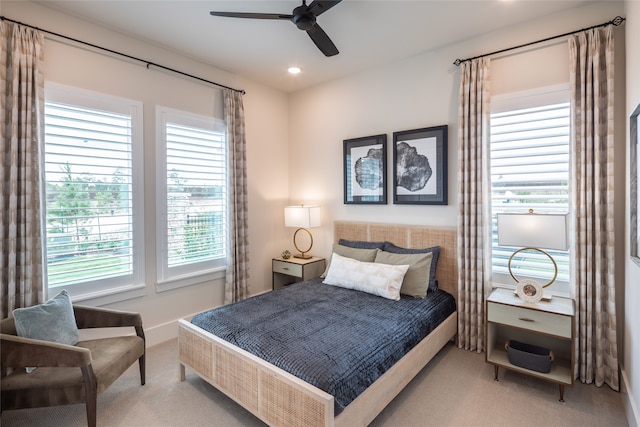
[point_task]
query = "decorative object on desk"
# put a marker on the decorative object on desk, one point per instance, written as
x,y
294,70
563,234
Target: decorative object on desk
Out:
x,y
529,356
420,166
286,254
533,231
365,170
529,290
303,217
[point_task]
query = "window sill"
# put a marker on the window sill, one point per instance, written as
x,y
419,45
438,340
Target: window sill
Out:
x,y
190,279
109,296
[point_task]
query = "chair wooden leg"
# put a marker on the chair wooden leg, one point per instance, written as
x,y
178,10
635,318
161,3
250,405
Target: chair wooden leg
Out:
x,y
90,394
142,364
141,360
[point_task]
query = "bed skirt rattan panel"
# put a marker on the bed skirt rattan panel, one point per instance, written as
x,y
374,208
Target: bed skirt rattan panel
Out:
x,y
283,405
236,377
196,352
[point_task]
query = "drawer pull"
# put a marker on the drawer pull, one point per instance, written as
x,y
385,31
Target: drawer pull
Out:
x,y
526,319
285,268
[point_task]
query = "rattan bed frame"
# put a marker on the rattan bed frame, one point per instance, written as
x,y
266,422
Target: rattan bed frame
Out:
x,y
281,399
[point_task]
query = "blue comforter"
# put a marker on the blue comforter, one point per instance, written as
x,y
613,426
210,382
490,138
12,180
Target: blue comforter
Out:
x,y
339,340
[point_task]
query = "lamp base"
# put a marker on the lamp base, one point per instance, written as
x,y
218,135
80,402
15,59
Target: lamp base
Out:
x,y
295,244
545,296
528,289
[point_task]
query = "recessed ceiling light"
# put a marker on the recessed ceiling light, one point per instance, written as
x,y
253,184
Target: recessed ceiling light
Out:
x,y
294,70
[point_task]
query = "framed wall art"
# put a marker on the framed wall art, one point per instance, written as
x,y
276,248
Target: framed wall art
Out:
x,y
365,170
420,166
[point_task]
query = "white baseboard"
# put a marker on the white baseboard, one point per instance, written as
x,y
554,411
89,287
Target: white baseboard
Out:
x,y
161,333
164,332
628,401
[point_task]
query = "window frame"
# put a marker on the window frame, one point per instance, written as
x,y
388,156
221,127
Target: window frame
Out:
x,y
128,286
513,101
175,277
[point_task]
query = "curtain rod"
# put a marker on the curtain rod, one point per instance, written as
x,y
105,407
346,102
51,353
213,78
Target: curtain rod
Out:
x,y
149,63
618,20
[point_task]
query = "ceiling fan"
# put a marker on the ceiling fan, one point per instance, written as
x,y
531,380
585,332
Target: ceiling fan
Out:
x,y
304,17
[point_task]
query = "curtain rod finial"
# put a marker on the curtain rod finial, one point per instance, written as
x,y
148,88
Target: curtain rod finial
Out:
x,y
457,62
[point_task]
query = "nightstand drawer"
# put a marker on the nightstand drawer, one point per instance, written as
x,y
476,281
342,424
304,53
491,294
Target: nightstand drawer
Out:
x,y
533,320
287,268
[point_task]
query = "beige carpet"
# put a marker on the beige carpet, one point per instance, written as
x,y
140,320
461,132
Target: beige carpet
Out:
x,y
455,389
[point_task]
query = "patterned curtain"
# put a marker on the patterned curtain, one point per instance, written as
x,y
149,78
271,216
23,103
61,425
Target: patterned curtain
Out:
x,y
237,280
21,132
474,243
591,68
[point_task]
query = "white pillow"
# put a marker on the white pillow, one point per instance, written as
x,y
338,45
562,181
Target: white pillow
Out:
x,y
374,278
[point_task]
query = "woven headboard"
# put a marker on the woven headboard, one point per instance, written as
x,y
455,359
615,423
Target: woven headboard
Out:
x,y
409,236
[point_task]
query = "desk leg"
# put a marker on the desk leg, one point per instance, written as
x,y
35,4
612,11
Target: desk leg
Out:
x,y
496,368
561,392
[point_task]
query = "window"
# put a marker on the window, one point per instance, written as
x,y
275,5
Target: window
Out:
x,y
530,170
192,182
91,185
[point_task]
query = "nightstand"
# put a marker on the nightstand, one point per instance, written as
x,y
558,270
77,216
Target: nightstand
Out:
x,y
287,271
548,324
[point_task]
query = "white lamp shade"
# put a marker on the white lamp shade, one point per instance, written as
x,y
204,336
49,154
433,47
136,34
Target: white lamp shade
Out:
x,y
547,231
302,216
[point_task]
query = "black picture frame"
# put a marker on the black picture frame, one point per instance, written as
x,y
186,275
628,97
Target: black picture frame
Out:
x,y
365,170
420,166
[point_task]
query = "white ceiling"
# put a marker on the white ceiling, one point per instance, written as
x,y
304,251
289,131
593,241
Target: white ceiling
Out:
x,y
367,33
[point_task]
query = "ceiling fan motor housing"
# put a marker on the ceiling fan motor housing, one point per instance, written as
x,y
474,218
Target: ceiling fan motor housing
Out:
x,y
304,20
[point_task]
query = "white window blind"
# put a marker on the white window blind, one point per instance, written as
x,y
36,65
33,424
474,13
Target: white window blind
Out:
x,y
89,187
194,197
530,170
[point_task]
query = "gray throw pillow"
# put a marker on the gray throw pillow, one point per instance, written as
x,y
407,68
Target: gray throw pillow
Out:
x,y
433,283
416,281
52,321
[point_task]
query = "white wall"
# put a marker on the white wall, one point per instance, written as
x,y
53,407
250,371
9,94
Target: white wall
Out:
x,y
266,129
631,364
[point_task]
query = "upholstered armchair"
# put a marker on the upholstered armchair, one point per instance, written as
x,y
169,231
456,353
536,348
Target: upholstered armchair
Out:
x,y
68,374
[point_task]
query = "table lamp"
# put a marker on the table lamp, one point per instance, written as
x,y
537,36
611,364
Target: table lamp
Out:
x,y
533,231
303,217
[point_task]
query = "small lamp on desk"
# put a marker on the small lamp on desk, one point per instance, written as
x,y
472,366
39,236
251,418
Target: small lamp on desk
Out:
x,y
303,217
533,231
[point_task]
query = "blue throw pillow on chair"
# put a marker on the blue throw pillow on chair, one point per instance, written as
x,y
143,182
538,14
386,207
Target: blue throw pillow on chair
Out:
x,y
52,321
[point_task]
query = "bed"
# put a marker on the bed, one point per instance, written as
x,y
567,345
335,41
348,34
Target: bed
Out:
x,y
280,398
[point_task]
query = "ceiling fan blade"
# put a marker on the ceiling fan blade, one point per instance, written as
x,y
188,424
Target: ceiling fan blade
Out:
x,y
322,40
319,7
252,15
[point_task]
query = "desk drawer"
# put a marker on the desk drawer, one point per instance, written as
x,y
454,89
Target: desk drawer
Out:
x,y
287,268
533,320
